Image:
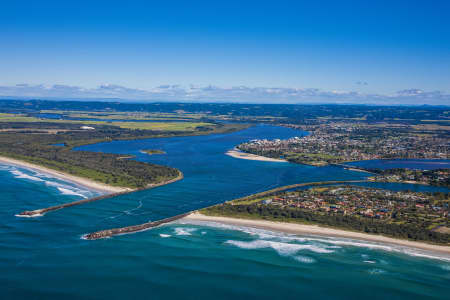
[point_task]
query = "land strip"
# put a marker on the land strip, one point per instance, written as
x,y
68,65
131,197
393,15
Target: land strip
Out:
x,y
91,184
293,228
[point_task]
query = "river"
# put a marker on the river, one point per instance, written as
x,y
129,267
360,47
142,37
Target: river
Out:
x,y
46,258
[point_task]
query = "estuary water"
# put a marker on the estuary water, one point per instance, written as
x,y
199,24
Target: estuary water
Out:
x,y
45,258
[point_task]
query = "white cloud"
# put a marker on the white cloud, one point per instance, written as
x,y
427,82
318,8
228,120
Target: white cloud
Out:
x,y
212,93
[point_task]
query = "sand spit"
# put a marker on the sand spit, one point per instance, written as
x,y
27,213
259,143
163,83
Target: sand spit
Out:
x,y
236,153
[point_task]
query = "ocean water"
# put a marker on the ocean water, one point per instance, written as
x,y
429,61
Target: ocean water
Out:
x,y
46,258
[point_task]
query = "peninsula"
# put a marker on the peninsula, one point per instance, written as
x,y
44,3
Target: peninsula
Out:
x,y
332,142
33,142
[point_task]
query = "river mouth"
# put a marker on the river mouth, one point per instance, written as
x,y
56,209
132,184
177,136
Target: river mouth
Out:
x,y
46,254
212,177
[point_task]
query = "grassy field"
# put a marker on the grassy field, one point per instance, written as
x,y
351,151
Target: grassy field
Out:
x,y
179,115
162,126
157,126
115,115
314,159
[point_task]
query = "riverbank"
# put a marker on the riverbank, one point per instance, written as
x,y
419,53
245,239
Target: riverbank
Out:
x,y
294,228
236,153
90,184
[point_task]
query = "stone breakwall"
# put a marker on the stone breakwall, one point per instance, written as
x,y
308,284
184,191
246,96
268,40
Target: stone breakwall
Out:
x,y
135,228
40,212
131,229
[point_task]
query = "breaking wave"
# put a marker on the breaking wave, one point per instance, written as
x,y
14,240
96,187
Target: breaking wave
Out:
x,y
265,237
282,248
21,175
304,259
48,180
184,231
65,191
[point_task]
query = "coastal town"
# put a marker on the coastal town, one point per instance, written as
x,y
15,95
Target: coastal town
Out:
x,y
336,142
367,202
437,177
410,215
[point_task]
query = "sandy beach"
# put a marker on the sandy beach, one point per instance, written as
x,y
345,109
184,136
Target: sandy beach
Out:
x,y
317,230
63,176
236,153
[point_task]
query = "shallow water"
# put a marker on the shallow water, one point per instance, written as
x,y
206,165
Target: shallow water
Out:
x,y
46,258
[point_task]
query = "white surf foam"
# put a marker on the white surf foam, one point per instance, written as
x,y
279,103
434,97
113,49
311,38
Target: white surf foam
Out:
x,y
321,242
184,231
21,175
164,235
66,191
305,259
281,248
423,254
29,216
361,244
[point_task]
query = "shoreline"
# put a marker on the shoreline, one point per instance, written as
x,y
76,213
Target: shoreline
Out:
x,y
40,212
236,153
88,183
295,228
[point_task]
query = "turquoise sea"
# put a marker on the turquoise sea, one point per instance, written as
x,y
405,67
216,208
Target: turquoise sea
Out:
x,y
46,258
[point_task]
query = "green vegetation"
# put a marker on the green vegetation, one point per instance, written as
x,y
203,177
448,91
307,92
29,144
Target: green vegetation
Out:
x,y
165,126
157,126
32,142
314,159
292,215
438,177
406,215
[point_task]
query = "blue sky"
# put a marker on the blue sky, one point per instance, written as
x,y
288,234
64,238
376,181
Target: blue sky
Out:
x,y
241,51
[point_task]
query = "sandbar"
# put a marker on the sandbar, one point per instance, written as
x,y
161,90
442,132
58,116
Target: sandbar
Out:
x,y
236,153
